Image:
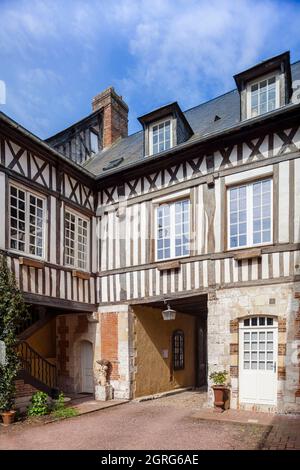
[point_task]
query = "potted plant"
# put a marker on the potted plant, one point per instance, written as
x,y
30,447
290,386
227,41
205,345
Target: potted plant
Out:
x,y
221,389
13,312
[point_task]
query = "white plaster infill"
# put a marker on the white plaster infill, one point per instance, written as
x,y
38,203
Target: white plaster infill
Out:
x,y
114,309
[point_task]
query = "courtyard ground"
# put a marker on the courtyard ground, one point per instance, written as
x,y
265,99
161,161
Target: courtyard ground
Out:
x,y
173,422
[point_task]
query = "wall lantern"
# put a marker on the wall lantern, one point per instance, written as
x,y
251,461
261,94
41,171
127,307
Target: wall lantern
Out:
x,y
169,313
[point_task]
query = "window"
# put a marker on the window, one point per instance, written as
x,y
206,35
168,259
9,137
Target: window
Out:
x,y
258,343
178,350
250,214
76,239
94,142
160,137
26,218
173,229
263,96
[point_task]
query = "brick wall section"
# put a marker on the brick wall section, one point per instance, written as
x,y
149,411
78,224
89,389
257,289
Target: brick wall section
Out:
x,y
115,115
82,325
109,342
234,326
23,389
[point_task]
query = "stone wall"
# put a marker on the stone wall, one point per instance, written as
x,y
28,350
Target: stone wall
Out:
x,y
224,311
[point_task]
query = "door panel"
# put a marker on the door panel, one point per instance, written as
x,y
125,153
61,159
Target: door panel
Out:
x,y
257,365
87,367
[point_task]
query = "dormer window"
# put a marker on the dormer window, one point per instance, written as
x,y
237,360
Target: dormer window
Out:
x,y
263,96
94,142
160,136
164,128
265,87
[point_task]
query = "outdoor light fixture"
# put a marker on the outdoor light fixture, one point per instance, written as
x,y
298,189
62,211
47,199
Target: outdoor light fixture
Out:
x,y
169,313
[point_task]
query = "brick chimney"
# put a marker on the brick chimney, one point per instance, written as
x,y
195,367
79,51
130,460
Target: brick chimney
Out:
x,y
115,115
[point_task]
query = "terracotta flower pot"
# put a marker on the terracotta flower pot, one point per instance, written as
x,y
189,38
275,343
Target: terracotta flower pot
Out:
x,y
221,393
8,417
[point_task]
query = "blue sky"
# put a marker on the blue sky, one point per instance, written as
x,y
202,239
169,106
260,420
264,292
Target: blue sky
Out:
x,y
55,55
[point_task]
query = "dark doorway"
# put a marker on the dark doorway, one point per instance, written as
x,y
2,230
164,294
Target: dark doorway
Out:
x,y
201,352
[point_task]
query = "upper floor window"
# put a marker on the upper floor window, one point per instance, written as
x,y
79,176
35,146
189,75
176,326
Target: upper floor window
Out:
x,y
26,220
76,241
94,142
250,214
263,96
160,137
173,229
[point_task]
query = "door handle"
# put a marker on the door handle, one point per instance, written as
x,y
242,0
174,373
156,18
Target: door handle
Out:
x,y
274,366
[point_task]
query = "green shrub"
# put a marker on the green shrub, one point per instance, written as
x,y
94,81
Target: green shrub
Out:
x,y
59,404
65,413
219,378
60,410
13,313
39,404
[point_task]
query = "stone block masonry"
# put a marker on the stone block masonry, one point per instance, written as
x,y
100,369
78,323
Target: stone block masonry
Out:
x,y
224,314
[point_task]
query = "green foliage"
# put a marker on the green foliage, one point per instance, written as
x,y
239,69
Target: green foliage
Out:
x,y
65,413
59,404
60,410
39,404
219,378
13,312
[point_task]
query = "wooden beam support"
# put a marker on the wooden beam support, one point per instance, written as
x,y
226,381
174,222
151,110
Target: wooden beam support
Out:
x,y
247,254
168,265
33,263
81,274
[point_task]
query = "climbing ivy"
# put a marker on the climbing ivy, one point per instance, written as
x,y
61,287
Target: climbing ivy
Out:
x,y
13,313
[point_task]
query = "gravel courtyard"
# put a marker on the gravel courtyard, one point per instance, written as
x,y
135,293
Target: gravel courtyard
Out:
x,y
166,423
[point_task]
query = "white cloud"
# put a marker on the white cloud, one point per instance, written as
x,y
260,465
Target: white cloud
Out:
x,y
153,51
188,49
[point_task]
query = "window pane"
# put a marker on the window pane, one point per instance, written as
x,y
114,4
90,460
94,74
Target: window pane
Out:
x,y
238,216
261,212
33,227
161,137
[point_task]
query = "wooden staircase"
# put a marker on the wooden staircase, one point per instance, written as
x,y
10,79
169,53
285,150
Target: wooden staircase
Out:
x,y
36,370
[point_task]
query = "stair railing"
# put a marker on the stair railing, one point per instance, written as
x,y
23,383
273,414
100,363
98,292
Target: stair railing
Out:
x,y
36,365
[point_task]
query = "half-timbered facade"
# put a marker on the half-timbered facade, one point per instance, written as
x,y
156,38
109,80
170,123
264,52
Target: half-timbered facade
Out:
x,y
199,210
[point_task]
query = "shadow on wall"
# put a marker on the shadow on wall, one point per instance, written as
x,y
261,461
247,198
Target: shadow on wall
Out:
x,y
153,337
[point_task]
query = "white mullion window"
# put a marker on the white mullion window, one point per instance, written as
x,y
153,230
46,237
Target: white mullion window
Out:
x,y
173,229
250,214
26,220
263,96
76,241
160,136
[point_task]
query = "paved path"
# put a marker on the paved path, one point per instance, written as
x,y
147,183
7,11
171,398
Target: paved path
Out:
x,y
167,423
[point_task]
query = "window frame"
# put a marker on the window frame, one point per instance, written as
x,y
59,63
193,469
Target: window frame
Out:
x,y
96,135
77,216
178,333
157,123
171,201
257,81
249,197
28,192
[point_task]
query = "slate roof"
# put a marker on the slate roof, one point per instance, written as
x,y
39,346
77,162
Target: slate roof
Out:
x,y
201,119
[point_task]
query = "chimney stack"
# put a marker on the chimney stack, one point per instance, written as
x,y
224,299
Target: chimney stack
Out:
x,y
115,115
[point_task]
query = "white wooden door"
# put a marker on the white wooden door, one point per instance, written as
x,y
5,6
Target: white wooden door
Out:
x,y
87,367
258,361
